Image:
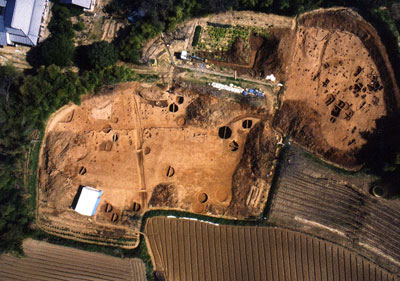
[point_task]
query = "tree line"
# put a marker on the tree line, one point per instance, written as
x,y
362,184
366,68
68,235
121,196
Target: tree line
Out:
x,y
26,101
59,48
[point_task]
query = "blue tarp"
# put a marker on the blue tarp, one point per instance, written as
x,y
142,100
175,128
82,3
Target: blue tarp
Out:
x,y
97,203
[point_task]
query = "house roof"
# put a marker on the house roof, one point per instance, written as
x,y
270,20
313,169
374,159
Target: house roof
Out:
x,y
88,201
82,3
22,15
22,19
3,35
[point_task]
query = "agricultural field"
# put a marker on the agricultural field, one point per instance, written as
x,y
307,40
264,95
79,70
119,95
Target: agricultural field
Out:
x,y
189,250
14,55
315,199
47,262
148,148
219,37
230,41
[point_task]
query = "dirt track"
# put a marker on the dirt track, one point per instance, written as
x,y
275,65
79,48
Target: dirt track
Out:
x,y
188,250
49,262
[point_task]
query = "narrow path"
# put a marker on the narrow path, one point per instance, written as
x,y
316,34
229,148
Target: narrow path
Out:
x,y
139,154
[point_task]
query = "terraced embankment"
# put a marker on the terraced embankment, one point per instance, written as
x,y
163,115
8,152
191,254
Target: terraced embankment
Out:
x,y
45,261
313,199
191,250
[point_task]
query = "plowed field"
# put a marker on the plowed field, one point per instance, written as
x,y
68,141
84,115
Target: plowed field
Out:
x,y
45,261
191,250
335,206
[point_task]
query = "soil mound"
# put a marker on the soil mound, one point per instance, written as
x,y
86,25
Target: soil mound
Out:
x,y
238,53
253,174
302,123
267,60
164,195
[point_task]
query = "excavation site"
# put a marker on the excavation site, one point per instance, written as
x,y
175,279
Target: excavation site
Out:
x,y
146,148
210,136
339,83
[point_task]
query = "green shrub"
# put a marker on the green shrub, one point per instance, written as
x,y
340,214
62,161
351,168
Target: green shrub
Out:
x,y
112,7
130,47
58,50
196,36
60,23
101,54
79,26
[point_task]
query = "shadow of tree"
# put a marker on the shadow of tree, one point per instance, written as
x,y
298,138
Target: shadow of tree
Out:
x,y
381,153
34,57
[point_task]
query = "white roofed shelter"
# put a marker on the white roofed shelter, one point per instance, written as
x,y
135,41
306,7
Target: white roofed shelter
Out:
x,y
87,4
87,201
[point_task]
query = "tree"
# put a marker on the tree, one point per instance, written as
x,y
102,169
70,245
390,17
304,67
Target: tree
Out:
x,y
130,48
101,54
8,75
60,23
58,50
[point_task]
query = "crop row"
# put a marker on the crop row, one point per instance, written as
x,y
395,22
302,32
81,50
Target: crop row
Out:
x,y
45,261
192,250
339,207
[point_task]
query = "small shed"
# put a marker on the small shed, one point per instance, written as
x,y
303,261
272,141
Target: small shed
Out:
x,y
81,3
184,55
86,200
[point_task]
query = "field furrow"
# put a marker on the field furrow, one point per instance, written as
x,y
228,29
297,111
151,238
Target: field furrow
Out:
x,y
257,253
45,261
337,207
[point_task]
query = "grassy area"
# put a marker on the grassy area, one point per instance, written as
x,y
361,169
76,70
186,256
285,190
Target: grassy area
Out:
x,y
196,36
221,38
32,173
335,169
97,31
149,78
215,38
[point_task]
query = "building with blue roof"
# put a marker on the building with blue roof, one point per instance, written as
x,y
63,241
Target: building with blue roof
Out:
x,y
20,21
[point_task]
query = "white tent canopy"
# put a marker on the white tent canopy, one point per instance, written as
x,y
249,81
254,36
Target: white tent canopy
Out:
x,y
88,201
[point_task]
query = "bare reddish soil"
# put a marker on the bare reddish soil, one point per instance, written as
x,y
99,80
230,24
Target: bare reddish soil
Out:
x,y
146,148
339,83
185,150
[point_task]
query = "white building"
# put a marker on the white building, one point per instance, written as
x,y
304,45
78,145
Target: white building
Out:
x,y
88,200
87,4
